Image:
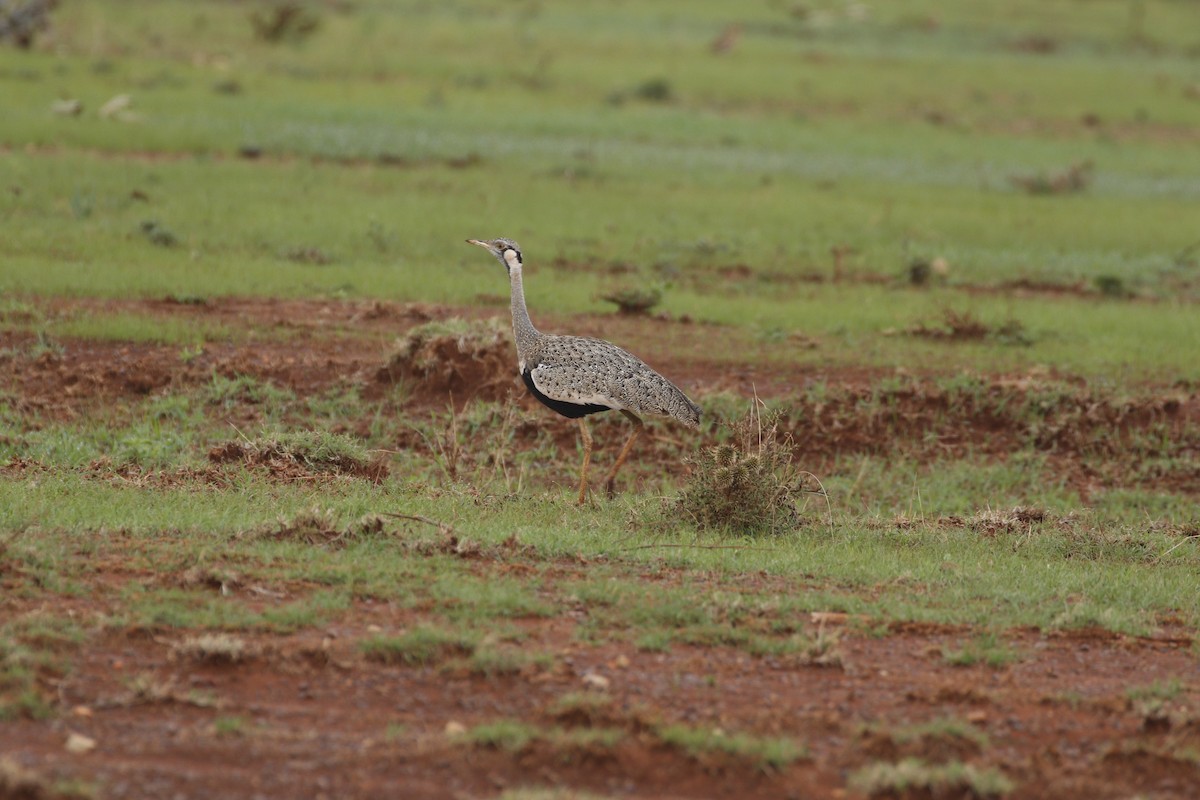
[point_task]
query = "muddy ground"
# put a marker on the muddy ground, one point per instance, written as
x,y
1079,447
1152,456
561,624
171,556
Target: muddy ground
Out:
x,y
323,721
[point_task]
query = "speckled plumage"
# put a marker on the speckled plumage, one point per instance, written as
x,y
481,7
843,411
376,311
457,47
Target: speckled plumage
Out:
x,y
583,371
577,376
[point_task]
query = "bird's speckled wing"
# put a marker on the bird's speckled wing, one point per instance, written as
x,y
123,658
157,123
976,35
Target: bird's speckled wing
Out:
x,y
573,369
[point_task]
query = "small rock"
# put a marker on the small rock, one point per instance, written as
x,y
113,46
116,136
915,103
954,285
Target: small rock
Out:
x,y
82,711
454,728
977,716
78,744
374,629
595,681
621,661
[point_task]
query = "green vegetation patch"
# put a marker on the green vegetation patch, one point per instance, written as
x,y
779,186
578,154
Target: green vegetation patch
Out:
x,y
913,775
765,752
421,645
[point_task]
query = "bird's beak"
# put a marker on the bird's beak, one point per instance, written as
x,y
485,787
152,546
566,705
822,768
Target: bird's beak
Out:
x,y
481,244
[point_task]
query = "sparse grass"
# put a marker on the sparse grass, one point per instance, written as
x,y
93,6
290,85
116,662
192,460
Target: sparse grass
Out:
x,y
421,645
34,648
987,649
913,775
765,752
581,706
494,660
18,782
229,726
945,728
514,736
508,734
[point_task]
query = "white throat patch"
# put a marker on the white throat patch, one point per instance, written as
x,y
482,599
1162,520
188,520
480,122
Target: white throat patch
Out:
x,y
510,258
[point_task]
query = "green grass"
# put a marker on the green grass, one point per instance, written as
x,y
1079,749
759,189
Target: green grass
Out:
x,y
893,138
765,752
419,646
987,649
35,649
917,572
913,775
943,728
399,129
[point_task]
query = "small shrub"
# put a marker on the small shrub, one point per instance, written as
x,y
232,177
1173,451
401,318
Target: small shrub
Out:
x,y
1111,286
655,90
1073,179
748,484
633,301
157,234
284,21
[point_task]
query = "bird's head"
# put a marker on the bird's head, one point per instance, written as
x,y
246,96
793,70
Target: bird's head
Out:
x,y
508,251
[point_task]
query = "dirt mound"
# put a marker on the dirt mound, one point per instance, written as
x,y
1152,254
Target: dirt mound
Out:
x,y
455,358
302,455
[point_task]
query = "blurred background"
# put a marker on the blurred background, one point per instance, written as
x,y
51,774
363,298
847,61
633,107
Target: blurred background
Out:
x,y
798,165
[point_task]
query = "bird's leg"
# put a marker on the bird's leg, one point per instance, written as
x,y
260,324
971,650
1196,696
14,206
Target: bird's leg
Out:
x,y
610,483
586,436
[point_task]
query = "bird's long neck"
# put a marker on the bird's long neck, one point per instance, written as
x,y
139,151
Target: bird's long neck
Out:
x,y
523,331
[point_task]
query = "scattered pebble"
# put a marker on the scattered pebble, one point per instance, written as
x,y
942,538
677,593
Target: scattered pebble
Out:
x,y
595,681
78,744
454,728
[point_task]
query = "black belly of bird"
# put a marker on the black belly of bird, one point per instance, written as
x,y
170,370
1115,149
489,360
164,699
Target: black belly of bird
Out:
x,y
569,410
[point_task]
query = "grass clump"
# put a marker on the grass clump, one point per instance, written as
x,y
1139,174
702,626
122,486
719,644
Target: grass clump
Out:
x,y
514,736
766,752
748,484
506,734
953,779
214,648
987,649
419,646
494,661
313,451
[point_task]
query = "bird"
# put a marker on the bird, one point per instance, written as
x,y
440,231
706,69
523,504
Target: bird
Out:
x,y
577,376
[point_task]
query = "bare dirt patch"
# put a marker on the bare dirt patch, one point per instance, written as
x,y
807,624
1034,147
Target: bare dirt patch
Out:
x,y
311,706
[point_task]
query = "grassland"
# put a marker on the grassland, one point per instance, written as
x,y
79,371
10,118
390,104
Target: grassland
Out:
x,y
955,246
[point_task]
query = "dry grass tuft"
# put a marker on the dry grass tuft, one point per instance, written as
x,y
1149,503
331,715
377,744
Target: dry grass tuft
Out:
x,y
213,648
296,455
317,526
1015,520
748,485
